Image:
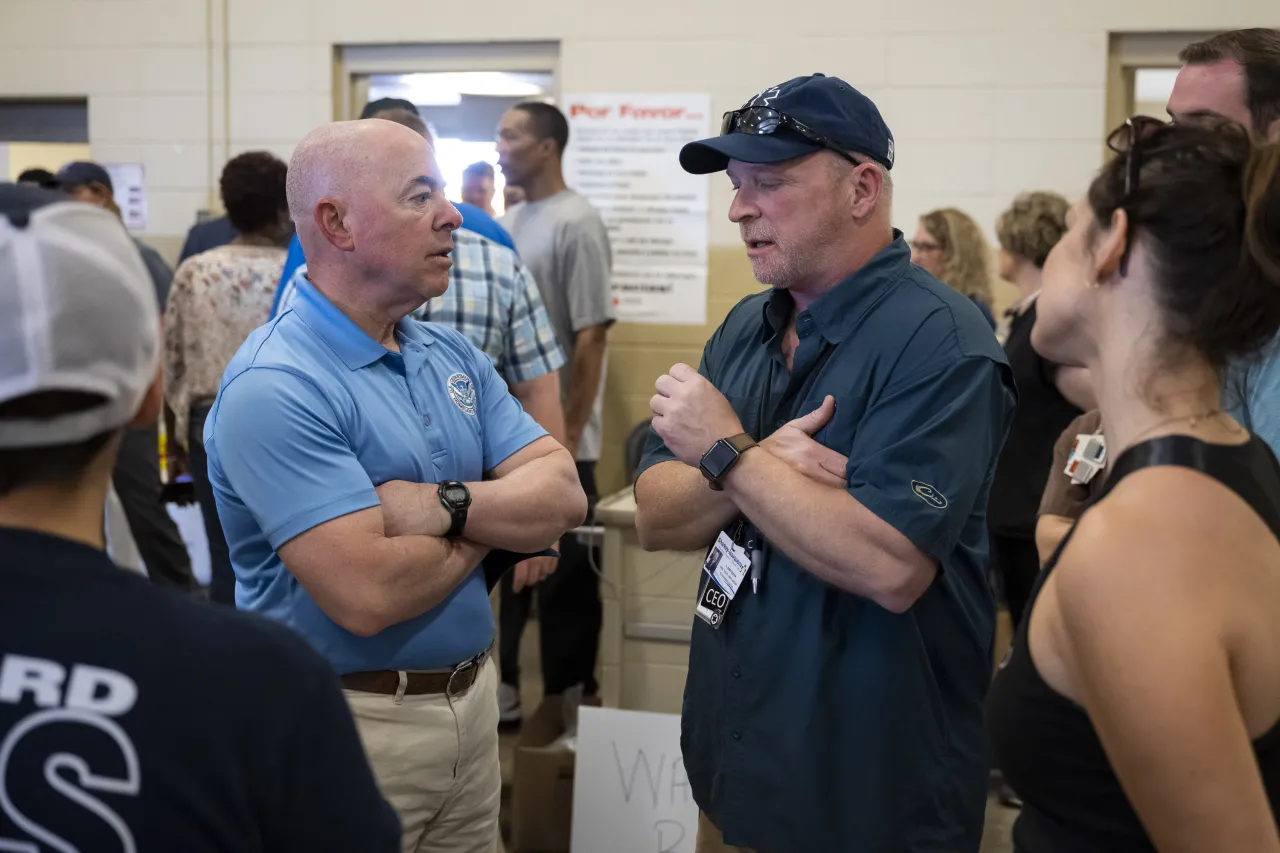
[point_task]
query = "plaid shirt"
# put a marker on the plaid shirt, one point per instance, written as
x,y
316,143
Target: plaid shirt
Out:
x,y
494,301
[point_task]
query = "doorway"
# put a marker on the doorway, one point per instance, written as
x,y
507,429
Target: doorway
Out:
x,y
1140,73
461,92
42,134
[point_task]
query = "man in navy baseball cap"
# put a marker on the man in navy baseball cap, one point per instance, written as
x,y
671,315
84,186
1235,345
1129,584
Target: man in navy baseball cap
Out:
x,y
837,443
792,119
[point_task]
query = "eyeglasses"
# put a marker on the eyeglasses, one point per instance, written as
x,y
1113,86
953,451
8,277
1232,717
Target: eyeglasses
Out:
x,y
765,121
1124,140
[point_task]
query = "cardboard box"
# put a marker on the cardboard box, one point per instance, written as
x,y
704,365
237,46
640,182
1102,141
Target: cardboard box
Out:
x,y
542,818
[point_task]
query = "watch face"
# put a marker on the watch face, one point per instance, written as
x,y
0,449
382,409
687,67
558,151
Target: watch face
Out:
x,y
456,494
718,458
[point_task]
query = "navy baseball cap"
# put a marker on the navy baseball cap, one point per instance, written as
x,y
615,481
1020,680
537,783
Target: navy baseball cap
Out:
x,y
83,172
793,119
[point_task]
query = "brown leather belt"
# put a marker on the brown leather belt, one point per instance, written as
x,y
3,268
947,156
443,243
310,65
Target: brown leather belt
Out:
x,y
454,682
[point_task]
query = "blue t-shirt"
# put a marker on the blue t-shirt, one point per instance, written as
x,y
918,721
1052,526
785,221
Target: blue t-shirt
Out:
x,y
473,219
312,415
1252,393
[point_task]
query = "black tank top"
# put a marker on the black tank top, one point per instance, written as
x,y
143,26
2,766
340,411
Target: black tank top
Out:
x,y
1044,742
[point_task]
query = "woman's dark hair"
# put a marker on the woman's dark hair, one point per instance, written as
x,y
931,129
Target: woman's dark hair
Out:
x,y
1206,208
253,192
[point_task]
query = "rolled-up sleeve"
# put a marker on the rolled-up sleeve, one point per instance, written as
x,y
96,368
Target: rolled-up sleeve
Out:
x,y
283,453
925,451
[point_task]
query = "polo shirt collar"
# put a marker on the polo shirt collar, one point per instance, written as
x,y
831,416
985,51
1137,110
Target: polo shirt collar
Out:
x,y
352,344
839,311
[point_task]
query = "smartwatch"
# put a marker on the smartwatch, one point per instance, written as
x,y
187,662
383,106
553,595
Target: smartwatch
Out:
x,y
723,455
456,498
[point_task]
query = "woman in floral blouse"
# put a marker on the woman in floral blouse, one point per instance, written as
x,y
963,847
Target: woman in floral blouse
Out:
x,y
218,298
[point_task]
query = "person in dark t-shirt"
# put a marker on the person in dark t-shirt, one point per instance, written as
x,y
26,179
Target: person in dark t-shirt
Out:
x,y
133,717
1050,396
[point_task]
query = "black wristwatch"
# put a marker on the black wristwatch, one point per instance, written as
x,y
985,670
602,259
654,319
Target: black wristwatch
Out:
x,y
723,455
456,498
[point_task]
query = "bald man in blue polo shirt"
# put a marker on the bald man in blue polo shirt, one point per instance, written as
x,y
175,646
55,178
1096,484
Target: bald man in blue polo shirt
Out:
x,y
836,446
364,464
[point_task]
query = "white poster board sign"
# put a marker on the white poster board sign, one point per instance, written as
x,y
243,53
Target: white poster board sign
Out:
x,y
128,181
630,792
624,157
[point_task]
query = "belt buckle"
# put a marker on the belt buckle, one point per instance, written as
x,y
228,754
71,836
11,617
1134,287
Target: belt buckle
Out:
x,y
466,665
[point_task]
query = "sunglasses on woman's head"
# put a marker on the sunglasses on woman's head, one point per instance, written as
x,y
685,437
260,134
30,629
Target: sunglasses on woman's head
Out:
x,y
1124,140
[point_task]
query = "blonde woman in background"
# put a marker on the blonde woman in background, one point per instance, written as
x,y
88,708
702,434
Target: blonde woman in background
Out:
x,y
950,246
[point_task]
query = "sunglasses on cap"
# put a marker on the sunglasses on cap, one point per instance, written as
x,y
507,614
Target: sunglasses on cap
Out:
x,y
1125,140
765,121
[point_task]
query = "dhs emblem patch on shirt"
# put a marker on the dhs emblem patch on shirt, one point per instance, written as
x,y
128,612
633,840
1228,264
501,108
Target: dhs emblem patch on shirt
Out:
x,y
462,391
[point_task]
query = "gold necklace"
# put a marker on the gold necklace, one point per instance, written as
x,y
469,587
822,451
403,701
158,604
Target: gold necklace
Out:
x,y
1194,422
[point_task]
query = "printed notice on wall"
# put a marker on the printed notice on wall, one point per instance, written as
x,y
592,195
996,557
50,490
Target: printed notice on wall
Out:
x,y
630,792
128,180
624,157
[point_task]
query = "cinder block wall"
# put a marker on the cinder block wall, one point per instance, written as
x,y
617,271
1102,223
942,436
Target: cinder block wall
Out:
x,y
986,97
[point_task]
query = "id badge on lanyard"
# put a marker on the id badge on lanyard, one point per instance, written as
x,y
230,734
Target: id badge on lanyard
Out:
x,y
725,568
733,558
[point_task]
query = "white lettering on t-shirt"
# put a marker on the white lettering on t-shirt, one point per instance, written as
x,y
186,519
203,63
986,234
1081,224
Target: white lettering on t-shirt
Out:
x,y
102,691
42,678
93,696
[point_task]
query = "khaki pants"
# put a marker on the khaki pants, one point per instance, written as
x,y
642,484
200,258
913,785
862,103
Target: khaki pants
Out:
x,y
711,840
436,760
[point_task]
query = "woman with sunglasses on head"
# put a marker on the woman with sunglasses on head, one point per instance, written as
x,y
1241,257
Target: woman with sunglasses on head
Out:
x,y
1140,706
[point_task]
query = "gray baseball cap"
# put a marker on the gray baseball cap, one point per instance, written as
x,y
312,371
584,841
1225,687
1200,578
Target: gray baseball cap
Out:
x,y
77,313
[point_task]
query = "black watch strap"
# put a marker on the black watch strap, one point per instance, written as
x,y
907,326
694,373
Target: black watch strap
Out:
x,y
458,525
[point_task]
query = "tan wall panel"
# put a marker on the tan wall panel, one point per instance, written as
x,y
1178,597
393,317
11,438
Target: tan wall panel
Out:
x,y
657,651
640,353
653,687
44,155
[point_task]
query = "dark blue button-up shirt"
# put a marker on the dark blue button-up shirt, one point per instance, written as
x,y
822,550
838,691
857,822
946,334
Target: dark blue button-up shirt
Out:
x,y
815,720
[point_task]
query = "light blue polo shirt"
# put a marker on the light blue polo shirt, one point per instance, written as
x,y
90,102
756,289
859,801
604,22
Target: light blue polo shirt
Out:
x,y
313,414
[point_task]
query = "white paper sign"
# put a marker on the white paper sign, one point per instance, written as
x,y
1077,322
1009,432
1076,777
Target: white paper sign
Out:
x,y
624,157
630,792
128,180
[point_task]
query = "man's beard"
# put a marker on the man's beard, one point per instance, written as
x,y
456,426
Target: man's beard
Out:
x,y
786,264
790,263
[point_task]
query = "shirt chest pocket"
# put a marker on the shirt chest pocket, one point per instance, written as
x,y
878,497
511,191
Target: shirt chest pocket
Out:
x,y
456,445
750,415
839,432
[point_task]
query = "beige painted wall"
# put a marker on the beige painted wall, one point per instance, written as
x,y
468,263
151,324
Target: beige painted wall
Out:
x,y
986,97
43,155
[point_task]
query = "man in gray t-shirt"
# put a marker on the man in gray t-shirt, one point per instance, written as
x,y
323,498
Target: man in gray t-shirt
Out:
x,y
565,244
